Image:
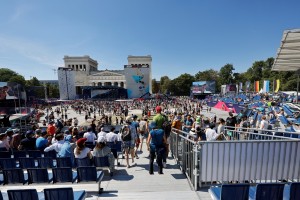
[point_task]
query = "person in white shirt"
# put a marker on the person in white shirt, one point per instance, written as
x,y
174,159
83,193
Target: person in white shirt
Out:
x,y
111,136
102,133
263,124
81,151
56,145
90,135
210,133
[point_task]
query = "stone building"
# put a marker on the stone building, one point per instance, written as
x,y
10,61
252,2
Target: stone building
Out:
x,y
135,77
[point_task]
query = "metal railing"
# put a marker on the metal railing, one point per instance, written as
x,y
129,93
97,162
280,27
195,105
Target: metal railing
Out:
x,y
253,158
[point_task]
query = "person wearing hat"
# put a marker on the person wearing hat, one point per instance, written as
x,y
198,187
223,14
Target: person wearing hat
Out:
x,y
159,118
102,150
28,143
81,151
156,146
67,149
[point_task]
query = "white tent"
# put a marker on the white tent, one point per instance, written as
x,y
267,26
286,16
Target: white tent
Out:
x,y
288,54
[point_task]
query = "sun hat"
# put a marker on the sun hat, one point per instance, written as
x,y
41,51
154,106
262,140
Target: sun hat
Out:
x,y
81,141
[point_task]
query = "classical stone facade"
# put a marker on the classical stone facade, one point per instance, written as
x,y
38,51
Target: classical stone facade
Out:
x,y
137,74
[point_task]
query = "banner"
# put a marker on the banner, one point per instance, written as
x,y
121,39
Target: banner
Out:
x,y
266,86
256,86
241,87
247,86
276,85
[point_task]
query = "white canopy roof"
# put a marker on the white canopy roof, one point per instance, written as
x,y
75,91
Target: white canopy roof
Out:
x,y
288,54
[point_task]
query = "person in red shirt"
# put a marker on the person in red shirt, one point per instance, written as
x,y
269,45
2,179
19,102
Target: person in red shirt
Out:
x,y
51,129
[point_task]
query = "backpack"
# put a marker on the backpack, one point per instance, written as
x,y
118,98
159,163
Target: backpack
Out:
x,y
126,133
167,127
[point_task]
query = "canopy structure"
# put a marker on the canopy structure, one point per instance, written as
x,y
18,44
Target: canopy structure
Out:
x,y
288,54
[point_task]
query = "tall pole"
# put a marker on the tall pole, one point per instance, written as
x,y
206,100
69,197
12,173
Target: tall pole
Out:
x,y
298,73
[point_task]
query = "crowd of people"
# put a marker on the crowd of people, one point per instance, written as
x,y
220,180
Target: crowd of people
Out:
x,y
153,127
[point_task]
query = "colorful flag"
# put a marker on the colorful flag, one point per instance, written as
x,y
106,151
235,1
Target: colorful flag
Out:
x,y
266,86
247,86
276,85
256,86
241,87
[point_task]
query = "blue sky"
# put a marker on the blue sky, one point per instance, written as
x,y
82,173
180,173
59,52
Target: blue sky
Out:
x,y
181,36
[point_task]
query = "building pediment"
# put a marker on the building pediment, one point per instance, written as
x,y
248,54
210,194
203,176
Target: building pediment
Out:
x,y
106,73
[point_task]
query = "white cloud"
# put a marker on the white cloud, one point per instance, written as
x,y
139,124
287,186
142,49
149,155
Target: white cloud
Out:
x,y
19,12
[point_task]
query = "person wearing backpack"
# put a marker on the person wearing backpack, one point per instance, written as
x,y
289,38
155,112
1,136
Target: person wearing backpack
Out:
x,y
156,147
128,136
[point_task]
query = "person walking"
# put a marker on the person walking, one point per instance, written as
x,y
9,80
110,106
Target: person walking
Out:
x,y
155,143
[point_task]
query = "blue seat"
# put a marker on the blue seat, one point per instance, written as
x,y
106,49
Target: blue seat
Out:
x,y
82,162
7,163
63,174
90,145
26,163
52,154
1,197
13,176
230,191
265,191
292,191
63,162
88,174
34,153
37,175
27,194
101,161
283,120
63,194
45,162
18,154
5,154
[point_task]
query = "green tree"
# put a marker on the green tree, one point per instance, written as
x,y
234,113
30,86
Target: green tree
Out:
x,y
155,86
181,85
207,75
18,79
164,84
33,82
226,74
6,74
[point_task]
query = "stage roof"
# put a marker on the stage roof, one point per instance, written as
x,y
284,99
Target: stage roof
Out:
x,y
288,54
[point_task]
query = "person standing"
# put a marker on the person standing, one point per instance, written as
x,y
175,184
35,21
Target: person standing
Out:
x,y
155,144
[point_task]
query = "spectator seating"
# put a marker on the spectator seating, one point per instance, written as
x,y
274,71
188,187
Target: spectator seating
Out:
x,y
34,153
26,163
63,174
116,149
51,154
230,191
13,176
37,175
1,197
5,154
18,154
63,194
87,174
7,163
292,191
27,194
83,162
45,162
63,162
265,191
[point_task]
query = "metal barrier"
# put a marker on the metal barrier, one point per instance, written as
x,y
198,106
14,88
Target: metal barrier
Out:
x,y
257,158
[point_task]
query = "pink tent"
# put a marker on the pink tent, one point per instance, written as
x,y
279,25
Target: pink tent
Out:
x,y
222,106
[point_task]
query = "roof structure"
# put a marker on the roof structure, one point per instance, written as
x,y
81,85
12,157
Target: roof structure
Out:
x,y
288,54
